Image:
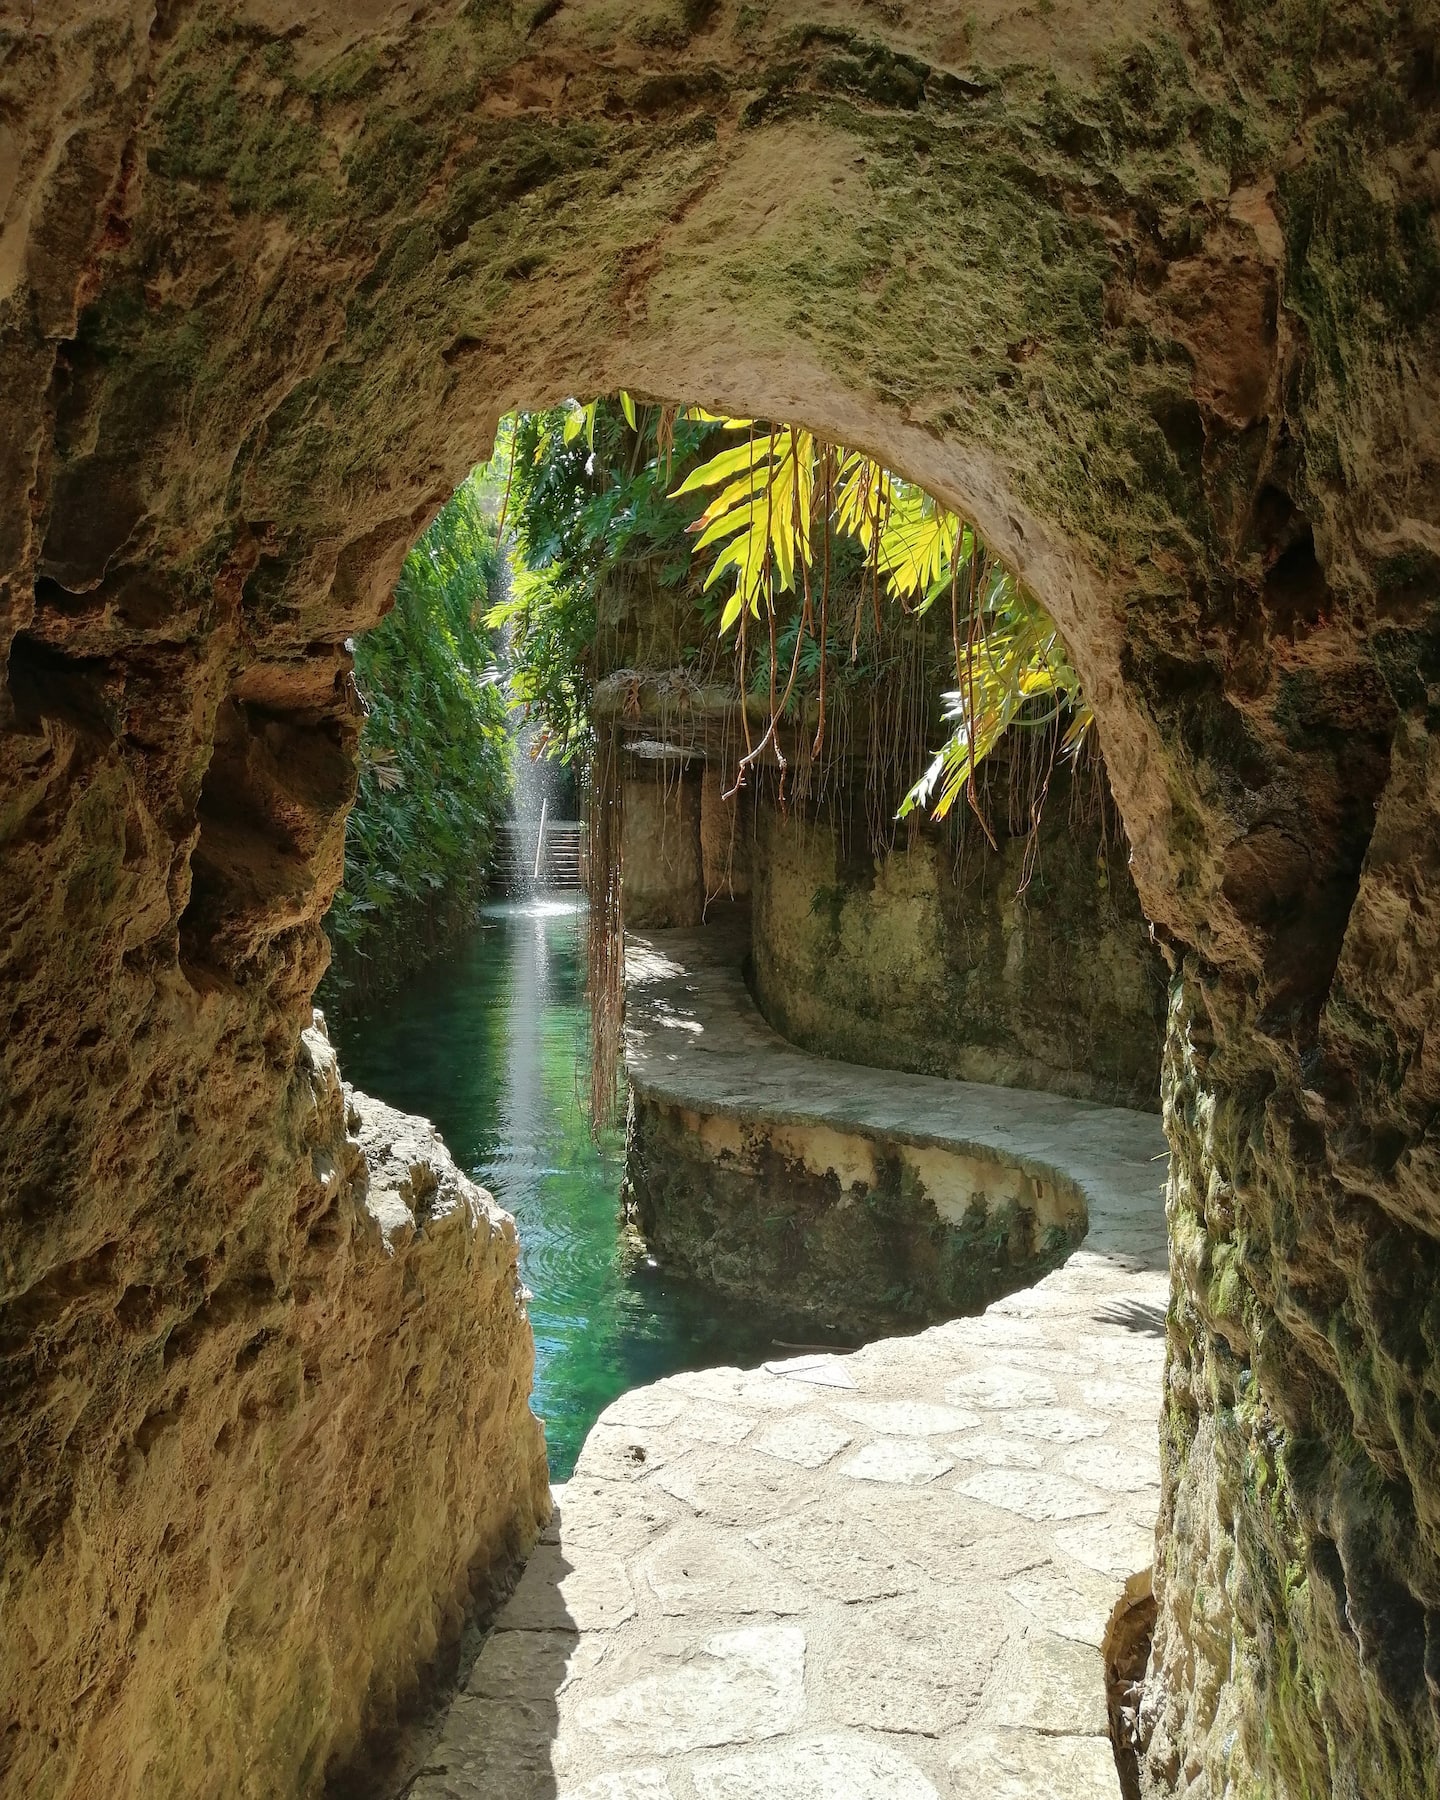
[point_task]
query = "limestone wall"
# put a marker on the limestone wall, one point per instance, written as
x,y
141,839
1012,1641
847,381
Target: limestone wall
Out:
x,y
932,958
1151,298
298,1485
842,1227
662,866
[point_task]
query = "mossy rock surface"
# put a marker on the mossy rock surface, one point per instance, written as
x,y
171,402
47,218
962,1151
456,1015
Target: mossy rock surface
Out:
x,y
1155,305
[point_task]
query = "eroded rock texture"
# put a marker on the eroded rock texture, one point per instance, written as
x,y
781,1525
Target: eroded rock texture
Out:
x,y
277,1498
1151,293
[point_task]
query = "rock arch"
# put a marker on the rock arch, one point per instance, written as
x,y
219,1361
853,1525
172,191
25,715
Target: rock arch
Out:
x,y
1152,296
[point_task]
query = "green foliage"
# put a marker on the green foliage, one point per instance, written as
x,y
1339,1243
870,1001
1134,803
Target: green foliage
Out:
x,y
552,630
435,758
588,491
763,516
783,489
783,483
598,485
1013,674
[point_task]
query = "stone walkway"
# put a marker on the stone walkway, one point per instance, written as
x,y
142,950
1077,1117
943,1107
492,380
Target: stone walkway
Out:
x,y
877,1576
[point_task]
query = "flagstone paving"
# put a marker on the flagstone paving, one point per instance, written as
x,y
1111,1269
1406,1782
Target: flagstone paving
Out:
x,y
876,1576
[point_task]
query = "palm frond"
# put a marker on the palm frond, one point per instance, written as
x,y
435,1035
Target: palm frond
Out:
x,y
1016,660
762,517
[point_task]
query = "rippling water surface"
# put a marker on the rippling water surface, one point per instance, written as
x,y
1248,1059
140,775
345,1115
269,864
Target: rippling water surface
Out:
x,y
487,1042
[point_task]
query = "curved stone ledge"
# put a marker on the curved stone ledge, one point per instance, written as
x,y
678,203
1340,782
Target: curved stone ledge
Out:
x,y
863,1197
879,1576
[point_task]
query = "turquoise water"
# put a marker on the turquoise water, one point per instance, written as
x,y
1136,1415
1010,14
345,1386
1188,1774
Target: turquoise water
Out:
x,y
488,1042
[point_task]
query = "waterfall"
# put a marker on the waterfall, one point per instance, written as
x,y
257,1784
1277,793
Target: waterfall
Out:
x,y
540,846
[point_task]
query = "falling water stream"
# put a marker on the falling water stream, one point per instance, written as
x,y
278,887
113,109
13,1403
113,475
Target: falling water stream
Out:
x,y
488,1042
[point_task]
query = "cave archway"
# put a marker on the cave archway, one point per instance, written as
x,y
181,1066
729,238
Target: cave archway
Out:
x,y
1154,304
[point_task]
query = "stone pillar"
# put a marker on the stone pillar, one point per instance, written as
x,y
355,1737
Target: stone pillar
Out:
x,y
662,878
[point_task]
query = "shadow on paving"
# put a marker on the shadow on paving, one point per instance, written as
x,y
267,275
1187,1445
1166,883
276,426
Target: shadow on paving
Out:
x,y
1134,1315
501,1728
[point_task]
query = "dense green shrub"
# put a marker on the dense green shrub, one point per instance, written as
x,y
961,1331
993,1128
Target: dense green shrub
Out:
x,y
435,772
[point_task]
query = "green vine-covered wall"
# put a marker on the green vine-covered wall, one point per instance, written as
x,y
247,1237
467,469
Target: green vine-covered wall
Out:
x,y
435,757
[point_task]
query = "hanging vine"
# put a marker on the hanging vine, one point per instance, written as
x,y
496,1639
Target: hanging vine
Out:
x,y
605,938
776,495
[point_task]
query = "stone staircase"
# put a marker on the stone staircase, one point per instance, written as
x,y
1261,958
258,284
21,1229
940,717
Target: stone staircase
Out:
x,y
562,856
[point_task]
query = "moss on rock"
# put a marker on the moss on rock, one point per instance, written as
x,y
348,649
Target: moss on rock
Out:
x,y
1156,308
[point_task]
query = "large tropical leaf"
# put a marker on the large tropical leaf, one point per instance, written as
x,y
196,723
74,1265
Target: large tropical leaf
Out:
x,y
762,517
1014,663
919,540
434,771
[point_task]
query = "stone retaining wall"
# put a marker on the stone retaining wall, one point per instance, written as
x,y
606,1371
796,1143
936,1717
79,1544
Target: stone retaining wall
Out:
x,y
851,1196
853,1231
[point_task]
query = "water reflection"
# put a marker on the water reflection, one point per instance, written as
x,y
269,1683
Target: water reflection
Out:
x,y
488,1042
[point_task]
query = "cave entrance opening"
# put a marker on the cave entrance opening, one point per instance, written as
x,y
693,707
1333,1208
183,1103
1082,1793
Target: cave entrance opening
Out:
x,y
761,785
1156,306
864,759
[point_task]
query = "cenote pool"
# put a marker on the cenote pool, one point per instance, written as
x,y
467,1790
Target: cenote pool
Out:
x,y
488,1042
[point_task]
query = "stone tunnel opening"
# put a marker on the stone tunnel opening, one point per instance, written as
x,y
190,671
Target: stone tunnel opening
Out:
x,y
767,1232
1155,306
